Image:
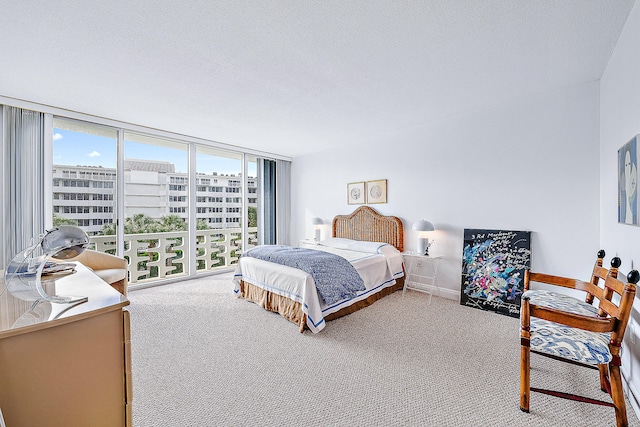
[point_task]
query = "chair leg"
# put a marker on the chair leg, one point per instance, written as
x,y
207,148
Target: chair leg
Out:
x,y
604,377
525,375
617,395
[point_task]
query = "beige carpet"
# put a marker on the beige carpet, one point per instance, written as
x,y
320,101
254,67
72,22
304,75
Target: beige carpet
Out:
x,y
201,357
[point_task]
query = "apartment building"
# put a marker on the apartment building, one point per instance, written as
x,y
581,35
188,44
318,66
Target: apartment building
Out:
x,y
87,194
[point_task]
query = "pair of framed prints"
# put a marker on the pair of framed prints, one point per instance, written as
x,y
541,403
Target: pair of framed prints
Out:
x,y
369,192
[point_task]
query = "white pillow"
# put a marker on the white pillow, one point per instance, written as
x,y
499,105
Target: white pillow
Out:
x,y
355,245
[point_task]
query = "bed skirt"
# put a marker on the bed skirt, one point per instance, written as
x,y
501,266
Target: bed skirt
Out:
x,y
292,310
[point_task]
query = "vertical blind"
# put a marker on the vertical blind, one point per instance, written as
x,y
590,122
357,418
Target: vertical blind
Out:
x,y
268,198
275,199
23,178
283,201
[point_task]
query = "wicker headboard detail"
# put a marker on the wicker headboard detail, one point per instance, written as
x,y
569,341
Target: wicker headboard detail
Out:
x,y
368,225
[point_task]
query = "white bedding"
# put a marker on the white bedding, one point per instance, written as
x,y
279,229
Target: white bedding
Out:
x,y
379,264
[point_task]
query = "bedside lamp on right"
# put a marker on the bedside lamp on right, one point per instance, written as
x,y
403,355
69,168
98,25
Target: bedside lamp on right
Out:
x,y
423,227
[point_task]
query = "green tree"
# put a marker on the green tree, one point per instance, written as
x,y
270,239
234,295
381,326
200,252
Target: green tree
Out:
x,y
172,223
141,223
137,224
201,224
60,220
252,215
108,229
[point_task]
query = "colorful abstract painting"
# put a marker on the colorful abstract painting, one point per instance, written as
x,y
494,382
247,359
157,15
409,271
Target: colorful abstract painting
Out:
x,y
493,266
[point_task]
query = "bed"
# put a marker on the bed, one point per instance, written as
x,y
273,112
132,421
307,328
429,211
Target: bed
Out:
x,y
370,241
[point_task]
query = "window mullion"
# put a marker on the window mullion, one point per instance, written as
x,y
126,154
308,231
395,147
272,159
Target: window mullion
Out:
x,y
120,193
192,224
244,205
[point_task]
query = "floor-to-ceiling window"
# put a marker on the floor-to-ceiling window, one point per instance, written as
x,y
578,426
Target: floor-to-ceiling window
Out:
x,y
84,177
219,201
172,206
156,207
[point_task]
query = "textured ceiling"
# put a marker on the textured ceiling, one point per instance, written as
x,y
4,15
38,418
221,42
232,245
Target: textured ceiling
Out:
x,y
296,76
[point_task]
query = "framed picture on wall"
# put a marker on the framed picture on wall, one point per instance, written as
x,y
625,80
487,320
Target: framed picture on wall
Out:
x,y
355,193
377,191
628,182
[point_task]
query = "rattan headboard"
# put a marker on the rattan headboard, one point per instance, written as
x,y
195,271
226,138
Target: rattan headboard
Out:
x,y
368,225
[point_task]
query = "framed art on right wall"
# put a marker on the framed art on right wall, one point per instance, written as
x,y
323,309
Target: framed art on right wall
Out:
x,y
628,182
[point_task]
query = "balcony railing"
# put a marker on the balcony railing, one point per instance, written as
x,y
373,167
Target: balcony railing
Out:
x,y
156,256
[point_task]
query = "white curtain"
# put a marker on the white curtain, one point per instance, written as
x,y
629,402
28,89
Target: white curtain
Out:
x,y
23,172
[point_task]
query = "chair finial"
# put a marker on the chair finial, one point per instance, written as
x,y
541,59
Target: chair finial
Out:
x,y
633,277
601,253
616,262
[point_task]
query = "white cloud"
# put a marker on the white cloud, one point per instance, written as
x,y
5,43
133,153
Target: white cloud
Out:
x,y
57,136
94,153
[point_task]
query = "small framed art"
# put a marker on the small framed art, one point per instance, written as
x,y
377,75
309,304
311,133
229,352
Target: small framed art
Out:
x,y
377,191
355,193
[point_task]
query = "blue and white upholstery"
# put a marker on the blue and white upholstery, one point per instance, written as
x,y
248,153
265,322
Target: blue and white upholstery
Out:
x,y
581,346
587,347
560,301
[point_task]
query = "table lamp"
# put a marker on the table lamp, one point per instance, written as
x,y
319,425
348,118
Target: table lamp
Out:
x,y
317,222
423,227
23,276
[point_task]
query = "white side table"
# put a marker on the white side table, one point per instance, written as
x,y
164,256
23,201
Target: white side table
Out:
x,y
421,272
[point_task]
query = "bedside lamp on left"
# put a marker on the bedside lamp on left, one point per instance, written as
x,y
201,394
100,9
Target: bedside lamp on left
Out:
x,y
317,222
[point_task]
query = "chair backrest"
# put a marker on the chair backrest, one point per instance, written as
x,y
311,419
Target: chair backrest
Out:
x,y
591,288
603,293
601,273
606,292
621,311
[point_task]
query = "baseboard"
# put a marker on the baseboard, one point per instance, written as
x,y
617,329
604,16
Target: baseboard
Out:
x,y
631,396
448,294
442,292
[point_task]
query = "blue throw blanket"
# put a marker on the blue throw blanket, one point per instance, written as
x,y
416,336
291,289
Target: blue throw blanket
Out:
x,y
335,278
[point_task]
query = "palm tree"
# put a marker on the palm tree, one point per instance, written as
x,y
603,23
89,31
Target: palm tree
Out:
x,y
60,220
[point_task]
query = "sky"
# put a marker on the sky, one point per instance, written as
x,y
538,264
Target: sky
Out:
x,y
76,148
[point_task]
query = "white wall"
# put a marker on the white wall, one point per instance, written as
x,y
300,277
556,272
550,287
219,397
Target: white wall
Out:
x,y
531,165
619,122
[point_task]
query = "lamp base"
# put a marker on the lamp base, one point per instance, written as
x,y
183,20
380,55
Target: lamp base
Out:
x,y
423,246
68,299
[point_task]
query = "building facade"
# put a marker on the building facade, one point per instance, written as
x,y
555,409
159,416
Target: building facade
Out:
x,y
87,194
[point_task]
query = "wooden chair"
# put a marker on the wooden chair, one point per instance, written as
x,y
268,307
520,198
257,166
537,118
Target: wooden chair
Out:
x,y
574,331
110,268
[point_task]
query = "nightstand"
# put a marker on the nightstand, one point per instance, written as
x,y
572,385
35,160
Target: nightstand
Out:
x,y
308,243
421,272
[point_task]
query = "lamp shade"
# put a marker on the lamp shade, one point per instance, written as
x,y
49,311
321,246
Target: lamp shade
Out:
x,y
65,242
317,221
422,225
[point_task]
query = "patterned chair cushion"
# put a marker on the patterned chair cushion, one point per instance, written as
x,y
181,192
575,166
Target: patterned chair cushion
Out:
x,y
570,343
560,301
